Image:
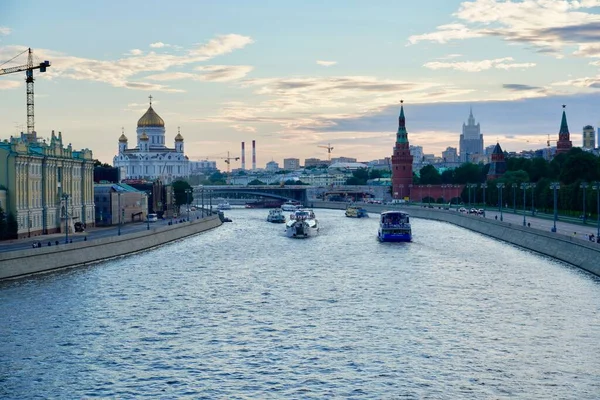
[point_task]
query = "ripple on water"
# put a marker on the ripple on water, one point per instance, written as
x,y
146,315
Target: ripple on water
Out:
x,y
244,312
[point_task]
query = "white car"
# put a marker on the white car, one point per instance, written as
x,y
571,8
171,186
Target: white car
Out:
x,y
462,210
152,217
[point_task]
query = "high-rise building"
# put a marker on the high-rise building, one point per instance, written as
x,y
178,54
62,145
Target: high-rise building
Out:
x,y
272,166
589,138
402,161
315,162
417,153
471,139
564,144
291,164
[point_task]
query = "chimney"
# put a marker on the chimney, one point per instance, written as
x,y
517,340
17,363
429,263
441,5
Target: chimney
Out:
x,y
243,157
254,155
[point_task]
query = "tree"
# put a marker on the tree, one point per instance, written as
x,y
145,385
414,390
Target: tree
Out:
x,y
3,225
430,175
98,163
181,197
375,174
217,178
12,227
359,177
256,182
468,173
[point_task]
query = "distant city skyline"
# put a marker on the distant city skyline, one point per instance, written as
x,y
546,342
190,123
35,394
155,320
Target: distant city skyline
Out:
x,y
293,77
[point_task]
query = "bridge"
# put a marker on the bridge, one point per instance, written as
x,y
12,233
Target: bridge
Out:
x,y
301,193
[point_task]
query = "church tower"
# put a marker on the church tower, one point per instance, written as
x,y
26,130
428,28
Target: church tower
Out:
x,y
402,161
152,126
498,164
122,143
179,142
564,144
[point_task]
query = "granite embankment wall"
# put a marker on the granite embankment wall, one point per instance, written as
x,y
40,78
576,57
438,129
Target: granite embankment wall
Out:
x,y
582,254
31,261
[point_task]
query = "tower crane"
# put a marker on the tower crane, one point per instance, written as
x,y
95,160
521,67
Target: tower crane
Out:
x,y
28,68
329,149
227,160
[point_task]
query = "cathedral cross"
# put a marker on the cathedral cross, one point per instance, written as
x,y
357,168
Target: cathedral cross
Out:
x,y
150,97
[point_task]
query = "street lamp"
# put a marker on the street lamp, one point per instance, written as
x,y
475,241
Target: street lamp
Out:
x,y
500,186
596,187
514,186
147,195
472,186
469,189
28,223
532,186
483,188
65,197
429,194
555,186
524,186
410,192
119,212
187,196
584,186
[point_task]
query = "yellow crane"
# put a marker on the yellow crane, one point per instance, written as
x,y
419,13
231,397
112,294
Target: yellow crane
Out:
x,y
28,68
227,160
329,149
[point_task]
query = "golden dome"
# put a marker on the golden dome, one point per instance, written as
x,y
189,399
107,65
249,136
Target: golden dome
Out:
x,y
179,138
143,136
123,138
151,118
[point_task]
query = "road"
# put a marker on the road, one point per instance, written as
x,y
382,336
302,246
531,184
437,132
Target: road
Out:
x,y
90,234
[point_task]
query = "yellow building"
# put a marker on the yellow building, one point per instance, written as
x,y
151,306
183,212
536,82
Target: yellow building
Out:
x,y
46,185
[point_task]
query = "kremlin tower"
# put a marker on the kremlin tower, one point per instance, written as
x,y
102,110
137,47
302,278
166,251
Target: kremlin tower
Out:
x,y
402,161
564,144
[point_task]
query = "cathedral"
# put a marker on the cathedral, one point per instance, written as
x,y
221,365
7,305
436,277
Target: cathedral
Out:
x,y
471,140
151,159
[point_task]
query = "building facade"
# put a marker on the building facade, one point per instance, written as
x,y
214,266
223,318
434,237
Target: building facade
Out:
x,y
564,144
402,161
291,164
589,138
343,160
272,166
151,159
471,140
119,203
314,162
450,155
48,185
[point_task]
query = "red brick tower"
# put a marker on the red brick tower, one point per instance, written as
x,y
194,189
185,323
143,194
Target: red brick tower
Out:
x,y
402,161
563,145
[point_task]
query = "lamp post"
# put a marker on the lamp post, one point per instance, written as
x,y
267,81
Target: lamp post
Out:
x,y
474,187
119,212
28,223
483,188
596,187
401,190
524,186
457,187
66,199
532,186
500,186
187,196
210,202
410,191
514,186
147,195
584,186
444,194
469,189
554,186
202,196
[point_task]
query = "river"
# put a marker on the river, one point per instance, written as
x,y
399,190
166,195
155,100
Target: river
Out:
x,y
244,312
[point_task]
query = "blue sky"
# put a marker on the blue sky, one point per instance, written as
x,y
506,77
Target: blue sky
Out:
x,y
293,76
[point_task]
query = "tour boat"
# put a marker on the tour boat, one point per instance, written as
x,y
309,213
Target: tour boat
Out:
x,y
276,216
290,205
302,224
224,206
394,226
356,212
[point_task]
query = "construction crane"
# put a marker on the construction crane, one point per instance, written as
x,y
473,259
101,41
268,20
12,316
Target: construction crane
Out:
x,y
227,160
329,149
28,68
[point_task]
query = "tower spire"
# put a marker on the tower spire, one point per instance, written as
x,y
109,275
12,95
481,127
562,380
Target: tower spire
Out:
x,y
401,135
150,97
564,144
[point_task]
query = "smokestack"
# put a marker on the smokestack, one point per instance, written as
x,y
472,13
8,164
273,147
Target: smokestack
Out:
x,y
254,155
243,157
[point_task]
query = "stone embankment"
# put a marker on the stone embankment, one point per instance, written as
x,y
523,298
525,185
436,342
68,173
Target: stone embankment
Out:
x,y
32,261
580,253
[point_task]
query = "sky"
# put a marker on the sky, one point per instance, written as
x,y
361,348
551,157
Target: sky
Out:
x,y
297,75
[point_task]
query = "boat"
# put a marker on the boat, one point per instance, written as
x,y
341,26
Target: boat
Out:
x,y
394,226
302,224
356,212
276,216
223,206
264,204
290,205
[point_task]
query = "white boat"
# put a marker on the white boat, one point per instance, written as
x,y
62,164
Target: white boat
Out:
x,y
290,205
276,216
302,224
224,206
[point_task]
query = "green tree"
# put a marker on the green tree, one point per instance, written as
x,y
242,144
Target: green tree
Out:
x,y
579,165
375,174
430,175
181,197
359,177
217,178
468,173
3,225
256,182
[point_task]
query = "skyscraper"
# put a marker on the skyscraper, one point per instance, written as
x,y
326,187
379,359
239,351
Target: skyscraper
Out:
x,y
471,140
401,161
589,138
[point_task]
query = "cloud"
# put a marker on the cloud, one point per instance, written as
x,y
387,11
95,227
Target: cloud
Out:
x,y
548,26
449,56
210,73
244,128
159,45
520,87
4,30
128,72
477,66
326,63
587,82
6,84
136,52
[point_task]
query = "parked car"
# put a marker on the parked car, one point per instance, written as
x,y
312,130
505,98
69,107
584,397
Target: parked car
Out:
x,y
462,210
152,218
